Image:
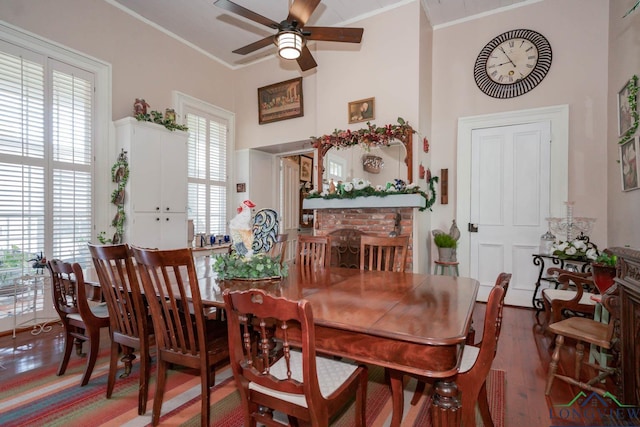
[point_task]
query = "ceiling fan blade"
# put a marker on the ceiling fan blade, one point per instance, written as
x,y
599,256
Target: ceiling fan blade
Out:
x,y
254,46
334,34
301,10
239,10
305,60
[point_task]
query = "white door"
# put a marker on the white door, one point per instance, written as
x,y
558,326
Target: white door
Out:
x,y
510,176
290,203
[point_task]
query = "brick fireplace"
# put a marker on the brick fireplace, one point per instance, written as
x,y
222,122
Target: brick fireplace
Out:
x,y
371,215
379,221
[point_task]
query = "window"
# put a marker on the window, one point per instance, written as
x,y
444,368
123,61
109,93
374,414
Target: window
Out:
x,y
46,160
208,171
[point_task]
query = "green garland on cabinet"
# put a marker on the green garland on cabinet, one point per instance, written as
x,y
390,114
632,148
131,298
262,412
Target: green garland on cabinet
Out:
x,y
119,175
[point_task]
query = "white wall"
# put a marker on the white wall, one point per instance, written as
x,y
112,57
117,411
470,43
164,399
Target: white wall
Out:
x,y
624,61
575,30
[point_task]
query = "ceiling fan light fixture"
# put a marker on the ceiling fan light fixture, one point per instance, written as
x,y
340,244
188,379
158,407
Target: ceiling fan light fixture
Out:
x,y
290,44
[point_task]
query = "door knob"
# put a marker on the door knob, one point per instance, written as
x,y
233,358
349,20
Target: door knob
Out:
x,y
473,228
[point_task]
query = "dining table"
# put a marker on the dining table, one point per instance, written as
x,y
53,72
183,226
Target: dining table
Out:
x,y
408,323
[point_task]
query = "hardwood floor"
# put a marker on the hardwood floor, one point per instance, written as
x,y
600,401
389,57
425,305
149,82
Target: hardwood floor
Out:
x,y
523,352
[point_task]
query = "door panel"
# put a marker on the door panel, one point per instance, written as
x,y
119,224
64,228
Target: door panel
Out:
x,y
509,203
290,199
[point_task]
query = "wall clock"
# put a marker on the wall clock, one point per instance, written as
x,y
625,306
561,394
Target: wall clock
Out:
x,y
512,63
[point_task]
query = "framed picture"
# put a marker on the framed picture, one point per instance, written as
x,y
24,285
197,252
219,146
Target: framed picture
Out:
x,y
280,101
306,167
626,115
362,110
629,164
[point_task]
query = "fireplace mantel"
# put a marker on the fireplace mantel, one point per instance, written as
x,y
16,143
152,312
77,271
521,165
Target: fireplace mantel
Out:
x,y
391,201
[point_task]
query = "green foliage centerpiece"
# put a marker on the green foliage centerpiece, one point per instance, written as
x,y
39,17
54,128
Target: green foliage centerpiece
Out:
x,y
260,266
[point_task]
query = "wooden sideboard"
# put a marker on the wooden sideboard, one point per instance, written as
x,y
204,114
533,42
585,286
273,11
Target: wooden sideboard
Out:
x,y
628,280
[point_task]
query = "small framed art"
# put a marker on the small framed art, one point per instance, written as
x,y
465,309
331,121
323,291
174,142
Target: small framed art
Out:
x,y
629,164
362,110
306,166
626,114
280,101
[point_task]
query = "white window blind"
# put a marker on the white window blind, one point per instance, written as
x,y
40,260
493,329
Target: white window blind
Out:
x,y
46,167
208,157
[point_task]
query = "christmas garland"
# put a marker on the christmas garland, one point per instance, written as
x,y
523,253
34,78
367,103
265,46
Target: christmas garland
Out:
x,y
367,137
119,175
349,191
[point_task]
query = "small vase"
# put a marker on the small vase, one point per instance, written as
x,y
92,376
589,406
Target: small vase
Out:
x,y
603,276
447,254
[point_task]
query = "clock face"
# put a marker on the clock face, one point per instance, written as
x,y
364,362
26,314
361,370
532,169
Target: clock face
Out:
x,y
513,63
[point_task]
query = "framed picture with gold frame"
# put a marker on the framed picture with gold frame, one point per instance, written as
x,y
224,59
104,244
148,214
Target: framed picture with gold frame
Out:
x,y
280,101
362,110
306,168
629,164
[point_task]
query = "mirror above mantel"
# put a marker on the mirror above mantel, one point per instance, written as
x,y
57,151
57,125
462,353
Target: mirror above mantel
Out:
x,y
397,157
378,165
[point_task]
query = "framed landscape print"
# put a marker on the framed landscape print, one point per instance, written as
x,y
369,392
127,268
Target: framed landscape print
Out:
x,y
626,113
280,101
306,167
629,164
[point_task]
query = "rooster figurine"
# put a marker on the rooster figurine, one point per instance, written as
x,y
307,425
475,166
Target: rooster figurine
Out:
x,y
241,228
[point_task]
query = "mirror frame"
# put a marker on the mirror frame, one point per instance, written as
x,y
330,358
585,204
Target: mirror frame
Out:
x,y
407,141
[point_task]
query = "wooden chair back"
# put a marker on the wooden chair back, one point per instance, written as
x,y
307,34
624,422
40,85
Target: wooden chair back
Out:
x,y
130,322
81,321
171,286
183,334
492,323
313,250
383,253
279,248
472,382
70,291
265,370
576,284
122,292
63,288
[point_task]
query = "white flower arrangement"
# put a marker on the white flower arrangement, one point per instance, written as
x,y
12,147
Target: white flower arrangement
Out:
x,y
576,249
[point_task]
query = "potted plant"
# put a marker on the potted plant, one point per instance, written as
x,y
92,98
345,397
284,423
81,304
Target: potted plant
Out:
x,y
259,267
604,271
446,247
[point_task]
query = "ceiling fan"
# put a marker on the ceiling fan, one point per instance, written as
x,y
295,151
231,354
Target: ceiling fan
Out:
x,y
291,38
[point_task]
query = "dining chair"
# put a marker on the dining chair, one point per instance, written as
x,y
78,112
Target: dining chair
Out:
x,y
313,250
131,325
279,248
572,296
585,330
81,320
383,253
184,336
286,375
477,359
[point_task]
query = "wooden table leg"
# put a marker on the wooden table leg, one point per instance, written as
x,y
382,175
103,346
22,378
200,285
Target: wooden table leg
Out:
x,y
446,409
397,396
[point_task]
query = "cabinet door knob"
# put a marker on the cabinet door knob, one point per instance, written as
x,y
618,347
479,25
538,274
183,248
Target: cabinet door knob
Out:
x,y
157,208
167,219
167,208
157,219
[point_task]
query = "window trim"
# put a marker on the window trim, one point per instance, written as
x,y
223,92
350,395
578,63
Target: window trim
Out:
x,y
103,152
181,101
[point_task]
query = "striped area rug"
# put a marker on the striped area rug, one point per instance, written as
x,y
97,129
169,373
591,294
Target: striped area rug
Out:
x,y
40,398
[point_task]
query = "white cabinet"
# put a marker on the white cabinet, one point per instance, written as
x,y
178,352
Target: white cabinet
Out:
x,y
156,194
